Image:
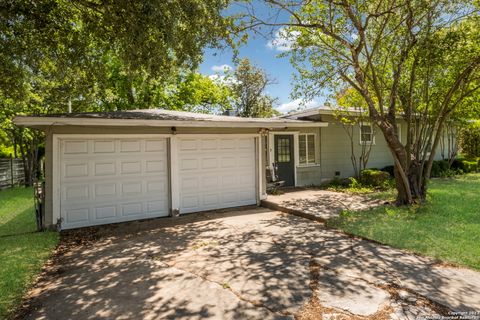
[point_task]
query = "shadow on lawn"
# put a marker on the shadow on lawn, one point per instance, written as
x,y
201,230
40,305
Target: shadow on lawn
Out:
x,y
243,264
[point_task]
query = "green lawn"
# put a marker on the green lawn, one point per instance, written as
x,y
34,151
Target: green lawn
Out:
x,y
447,227
22,250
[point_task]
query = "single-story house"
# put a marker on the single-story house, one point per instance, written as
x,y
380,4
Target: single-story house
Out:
x,y
103,168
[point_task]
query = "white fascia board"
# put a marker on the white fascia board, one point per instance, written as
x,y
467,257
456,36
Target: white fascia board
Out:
x,y
54,121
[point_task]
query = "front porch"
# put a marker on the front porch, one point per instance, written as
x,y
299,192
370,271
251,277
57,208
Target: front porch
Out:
x,y
293,157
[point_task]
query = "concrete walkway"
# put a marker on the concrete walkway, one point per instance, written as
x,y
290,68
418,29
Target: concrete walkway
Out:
x,y
246,264
317,204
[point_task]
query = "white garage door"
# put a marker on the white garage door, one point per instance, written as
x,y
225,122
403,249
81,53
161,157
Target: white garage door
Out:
x,y
216,173
112,180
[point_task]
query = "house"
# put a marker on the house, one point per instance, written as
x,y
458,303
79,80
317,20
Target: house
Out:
x,y
103,168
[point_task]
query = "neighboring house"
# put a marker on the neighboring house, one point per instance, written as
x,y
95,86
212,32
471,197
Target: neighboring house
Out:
x,y
111,167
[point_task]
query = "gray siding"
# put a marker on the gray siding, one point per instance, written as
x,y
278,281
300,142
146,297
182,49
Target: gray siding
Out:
x,y
336,150
308,175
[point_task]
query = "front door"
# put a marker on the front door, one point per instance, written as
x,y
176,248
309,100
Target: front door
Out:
x,y
284,159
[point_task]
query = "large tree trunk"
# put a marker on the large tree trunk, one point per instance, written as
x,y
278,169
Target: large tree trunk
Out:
x,y
409,179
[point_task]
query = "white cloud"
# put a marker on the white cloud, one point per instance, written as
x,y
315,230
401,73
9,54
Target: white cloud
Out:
x,y
296,104
283,40
221,68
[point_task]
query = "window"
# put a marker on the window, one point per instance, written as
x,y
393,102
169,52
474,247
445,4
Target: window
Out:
x,y
366,134
306,148
283,150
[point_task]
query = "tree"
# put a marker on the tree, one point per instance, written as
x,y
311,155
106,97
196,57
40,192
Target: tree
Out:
x,y
352,113
418,60
187,91
249,85
156,37
100,55
470,139
197,93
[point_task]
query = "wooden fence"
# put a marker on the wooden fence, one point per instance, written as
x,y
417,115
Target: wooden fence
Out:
x,y
11,173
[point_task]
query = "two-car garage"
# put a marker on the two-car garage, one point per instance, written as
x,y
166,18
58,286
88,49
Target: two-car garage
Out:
x,y
108,179
108,167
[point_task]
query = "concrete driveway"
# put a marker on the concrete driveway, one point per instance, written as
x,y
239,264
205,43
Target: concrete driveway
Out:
x,y
246,264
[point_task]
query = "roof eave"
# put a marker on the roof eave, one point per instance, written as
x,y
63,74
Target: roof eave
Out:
x,y
40,122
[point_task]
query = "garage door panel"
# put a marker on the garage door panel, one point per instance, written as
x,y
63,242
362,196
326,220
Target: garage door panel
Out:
x,y
211,199
75,147
159,145
106,212
209,144
210,182
216,173
245,143
75,169
189,164
115,180
104,168
227,144
188,144
156,206
209,163
130,167
77,215
104,146
105,190
228,162
130,145
189,202
75,192
155,166
156,187
132,188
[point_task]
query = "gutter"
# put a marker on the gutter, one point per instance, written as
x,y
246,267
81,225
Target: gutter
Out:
x,y
27,121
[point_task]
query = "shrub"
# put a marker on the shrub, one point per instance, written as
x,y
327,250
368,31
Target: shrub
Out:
x,y
390,170
470,166
374,178
457,165
439,167
339,182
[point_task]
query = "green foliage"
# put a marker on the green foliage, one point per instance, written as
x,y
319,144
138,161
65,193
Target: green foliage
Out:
x,y
374,178
470,139
197,93
439,168
390,170
152,37
470,166
356,186
6,152
249,85
465,165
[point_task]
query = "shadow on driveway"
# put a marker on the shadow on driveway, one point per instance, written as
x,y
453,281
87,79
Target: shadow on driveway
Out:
x,y
248,263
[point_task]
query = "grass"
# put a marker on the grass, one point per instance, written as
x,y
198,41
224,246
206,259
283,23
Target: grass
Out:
x,y
22,250
447,227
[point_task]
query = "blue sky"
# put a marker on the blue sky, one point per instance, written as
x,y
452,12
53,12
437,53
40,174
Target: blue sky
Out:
x,y
263,53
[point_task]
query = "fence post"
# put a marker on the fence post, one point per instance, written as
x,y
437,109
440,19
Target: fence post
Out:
x,y
11,169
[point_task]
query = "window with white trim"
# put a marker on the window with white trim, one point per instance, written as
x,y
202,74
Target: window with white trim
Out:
x,y
306,149
366,133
